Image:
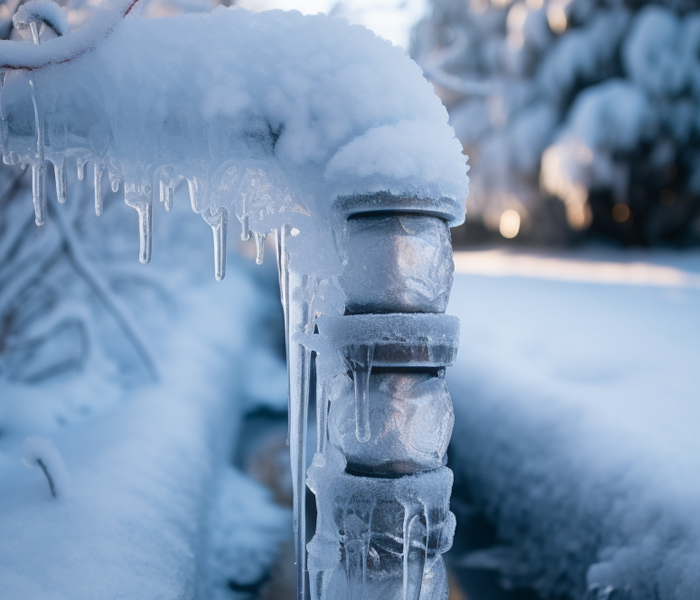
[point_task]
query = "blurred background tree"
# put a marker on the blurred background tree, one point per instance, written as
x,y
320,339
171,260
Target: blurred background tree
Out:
x,y
581,118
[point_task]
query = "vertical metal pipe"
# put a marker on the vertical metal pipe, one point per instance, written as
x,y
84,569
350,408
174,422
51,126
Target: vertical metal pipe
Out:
x,y
389,415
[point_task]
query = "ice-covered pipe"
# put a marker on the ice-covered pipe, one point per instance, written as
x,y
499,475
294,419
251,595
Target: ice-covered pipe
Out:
x,y
381,485
329,138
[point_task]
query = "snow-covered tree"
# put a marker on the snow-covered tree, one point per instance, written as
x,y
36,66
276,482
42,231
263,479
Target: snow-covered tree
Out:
x,y
594,103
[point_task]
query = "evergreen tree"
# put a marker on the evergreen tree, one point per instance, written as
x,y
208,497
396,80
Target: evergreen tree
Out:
x,y
577,115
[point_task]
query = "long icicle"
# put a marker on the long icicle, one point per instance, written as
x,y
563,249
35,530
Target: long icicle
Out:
x,y
300,374
145,212
4,126
98,171
323,394
283,275
39,163
59,171
219,229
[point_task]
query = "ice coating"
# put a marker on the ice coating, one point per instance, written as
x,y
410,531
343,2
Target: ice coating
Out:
x,y
410,422
398,263
409,340
383,531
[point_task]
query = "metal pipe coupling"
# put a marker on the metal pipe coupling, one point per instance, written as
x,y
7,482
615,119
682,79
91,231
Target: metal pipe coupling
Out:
x,y
383,515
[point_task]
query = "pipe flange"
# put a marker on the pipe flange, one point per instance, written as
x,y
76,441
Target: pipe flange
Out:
x,y
446,208
398,340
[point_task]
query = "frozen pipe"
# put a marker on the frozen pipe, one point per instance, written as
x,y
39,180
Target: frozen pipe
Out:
x,y
395,270
382,490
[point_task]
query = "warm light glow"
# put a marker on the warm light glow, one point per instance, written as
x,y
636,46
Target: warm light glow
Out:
x,y
564,173
621,212
579,215
516,17
501,3
515,40
515,22
556,17
478,7
510,224
534,5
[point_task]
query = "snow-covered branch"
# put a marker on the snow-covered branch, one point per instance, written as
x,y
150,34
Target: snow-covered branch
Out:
x,y
66,47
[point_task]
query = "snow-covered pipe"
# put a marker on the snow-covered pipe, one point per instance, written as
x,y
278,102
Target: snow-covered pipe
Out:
x,y
325,136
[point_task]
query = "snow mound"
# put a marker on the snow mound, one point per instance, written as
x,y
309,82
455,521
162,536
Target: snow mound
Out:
x,y
312,105
140,521
576,426
246,530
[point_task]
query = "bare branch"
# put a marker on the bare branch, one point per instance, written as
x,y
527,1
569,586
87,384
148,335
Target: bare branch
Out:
x,y
62,49
101,289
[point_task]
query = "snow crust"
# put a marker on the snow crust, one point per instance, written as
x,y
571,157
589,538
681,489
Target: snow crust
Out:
x,y
576,407
321,107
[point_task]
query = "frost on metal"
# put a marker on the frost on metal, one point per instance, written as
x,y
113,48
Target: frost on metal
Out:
x,y
329,139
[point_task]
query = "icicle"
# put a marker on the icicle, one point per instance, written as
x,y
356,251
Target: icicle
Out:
x,y
39,193
244,218
141,199
145,231
245,227
356,568
99,169
113,174
4,127
283,275
322,401
167,182
59,172
300,405
38,162
166,195
300,375
414,536
359,360
33,27
82,160
219,228
259,247
193,186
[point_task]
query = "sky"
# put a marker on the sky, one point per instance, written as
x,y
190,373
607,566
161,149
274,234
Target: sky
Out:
x,y
390,19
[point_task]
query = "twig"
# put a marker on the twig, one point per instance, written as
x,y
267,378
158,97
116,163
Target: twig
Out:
x,y
68,47
94,280
48,476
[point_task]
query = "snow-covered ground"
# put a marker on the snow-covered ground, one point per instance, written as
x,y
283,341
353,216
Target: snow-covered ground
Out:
x,y
151,506
577,404
577,401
